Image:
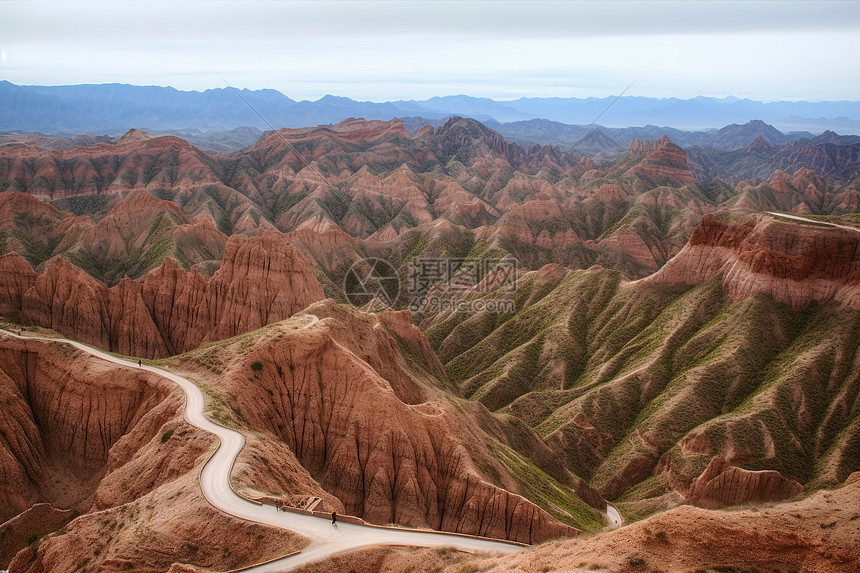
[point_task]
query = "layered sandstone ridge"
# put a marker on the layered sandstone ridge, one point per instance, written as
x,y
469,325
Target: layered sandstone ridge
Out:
x,y
261,280
722,485
661,161
135,161
142,199
793,263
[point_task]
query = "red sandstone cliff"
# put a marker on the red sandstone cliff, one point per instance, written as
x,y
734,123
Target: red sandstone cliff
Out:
x,y
261,280
722,484
660,161
794,263
16,278
388,444
135,161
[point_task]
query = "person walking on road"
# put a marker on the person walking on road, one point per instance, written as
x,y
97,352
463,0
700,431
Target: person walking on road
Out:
x,y
334,518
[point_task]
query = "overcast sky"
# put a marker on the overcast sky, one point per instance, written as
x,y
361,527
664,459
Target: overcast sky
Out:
x,y
379,51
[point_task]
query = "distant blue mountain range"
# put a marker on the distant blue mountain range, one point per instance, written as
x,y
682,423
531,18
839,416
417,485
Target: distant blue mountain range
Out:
x,y
115,108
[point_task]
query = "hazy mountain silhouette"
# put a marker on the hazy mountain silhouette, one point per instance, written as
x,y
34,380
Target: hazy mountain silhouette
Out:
x,y
115,108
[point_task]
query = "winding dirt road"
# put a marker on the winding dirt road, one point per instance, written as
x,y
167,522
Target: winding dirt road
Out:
x,y
613,516
325,539
804,219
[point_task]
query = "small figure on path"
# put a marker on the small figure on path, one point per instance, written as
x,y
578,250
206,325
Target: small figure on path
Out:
x,y
139,363
334,518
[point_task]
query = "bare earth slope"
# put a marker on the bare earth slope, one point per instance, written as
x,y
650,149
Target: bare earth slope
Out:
x,y
109,444
377,433
818,535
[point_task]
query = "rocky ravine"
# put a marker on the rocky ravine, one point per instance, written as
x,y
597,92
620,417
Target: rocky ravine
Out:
x,y
63,416
99,464
262,280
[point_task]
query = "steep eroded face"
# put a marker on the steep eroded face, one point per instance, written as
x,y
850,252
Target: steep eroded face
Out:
x,y
62,413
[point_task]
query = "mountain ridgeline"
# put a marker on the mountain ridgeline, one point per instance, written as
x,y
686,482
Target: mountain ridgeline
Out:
x,y
115,108
669,342
369,187
740,351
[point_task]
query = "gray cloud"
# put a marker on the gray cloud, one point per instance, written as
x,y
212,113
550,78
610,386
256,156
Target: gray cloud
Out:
x,y
229,20
392,50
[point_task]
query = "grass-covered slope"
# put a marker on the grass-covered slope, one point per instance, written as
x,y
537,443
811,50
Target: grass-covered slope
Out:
x,y
625,381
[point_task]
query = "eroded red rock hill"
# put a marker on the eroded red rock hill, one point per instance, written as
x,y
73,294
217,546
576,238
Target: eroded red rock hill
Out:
x,y
101,455
375,432
79,435
661,161
262,279
794,263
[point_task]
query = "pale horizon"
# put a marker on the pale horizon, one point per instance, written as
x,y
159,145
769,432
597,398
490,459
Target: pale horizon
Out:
x,y
441,96
387,51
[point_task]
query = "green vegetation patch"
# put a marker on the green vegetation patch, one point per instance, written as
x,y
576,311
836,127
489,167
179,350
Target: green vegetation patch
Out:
x,y
547,493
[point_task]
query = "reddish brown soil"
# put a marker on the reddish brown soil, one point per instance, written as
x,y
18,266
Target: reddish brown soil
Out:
x,y
379,436
820,534
794,263
109,443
